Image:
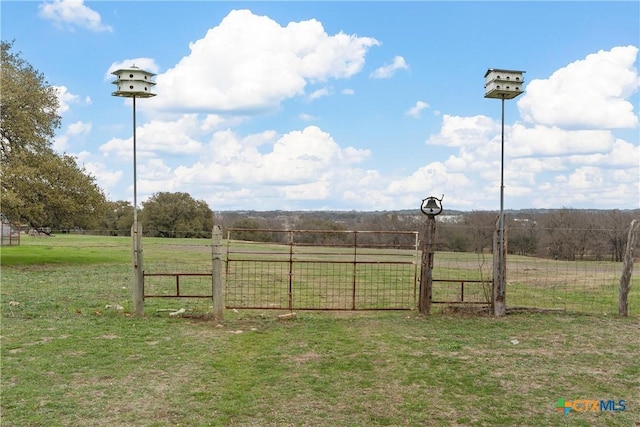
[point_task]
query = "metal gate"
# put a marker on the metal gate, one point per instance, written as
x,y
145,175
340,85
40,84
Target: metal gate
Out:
x,y
321,269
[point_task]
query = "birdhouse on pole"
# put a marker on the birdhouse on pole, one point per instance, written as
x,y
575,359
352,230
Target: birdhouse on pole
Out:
x,y
133,83
503,84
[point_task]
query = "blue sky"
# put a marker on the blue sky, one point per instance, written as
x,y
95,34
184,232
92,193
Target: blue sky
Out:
x,y
346,105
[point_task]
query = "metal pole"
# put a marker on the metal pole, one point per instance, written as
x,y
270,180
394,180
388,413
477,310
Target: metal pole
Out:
x,y
501,281
135,185
138,272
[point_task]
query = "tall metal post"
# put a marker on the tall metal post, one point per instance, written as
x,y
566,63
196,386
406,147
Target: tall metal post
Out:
x,y
136,235
132,83
135,180
499,304
501,84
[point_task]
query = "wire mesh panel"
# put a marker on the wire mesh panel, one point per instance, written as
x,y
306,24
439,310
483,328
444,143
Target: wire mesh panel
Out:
x,y
385,286
257,284
577,286
323,285
321,270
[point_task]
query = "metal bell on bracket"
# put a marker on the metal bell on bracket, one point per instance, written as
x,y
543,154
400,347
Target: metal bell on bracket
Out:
x,y
432,206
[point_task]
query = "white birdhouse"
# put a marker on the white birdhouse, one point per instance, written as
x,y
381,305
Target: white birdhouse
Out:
x,y
133,82
503,84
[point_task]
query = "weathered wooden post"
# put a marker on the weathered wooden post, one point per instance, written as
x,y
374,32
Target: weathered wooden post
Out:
x,y
498,300
431,206
138,269
627,270
216,275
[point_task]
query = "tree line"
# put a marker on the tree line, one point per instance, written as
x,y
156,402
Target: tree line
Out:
x,y
566,234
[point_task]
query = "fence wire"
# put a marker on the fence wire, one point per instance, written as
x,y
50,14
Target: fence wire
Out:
x,y
74,287
322,270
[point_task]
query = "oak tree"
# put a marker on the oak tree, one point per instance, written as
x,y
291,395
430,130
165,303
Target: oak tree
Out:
x,y
39,186
167,214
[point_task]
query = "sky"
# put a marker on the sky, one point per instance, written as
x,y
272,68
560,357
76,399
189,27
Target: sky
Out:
x,y
337,105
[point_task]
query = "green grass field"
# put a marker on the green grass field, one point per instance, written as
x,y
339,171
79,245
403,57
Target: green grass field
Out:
x,y
69,359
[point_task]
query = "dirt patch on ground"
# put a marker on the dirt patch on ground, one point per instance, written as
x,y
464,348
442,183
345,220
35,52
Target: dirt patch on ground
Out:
x,y
305,357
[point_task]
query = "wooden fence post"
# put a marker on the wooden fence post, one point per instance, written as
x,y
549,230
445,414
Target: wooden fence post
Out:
x,y
627,270
426,270
498,301
138,269
216,275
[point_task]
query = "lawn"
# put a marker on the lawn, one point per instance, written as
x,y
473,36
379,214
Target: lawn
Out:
x,y
71,356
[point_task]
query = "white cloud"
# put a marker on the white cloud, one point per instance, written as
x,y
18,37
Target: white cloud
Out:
x,y
311,191
319,93
457,131
250,62
79,128
64,98
431,179
591,187
553,141
154,169
417,109
590,93
348,92
61,142
622,154
108,179
70,14
307,117
304,156
389,70
156,137
300,165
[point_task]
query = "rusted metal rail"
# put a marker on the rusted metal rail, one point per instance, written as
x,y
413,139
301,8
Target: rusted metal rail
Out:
x,y
177,277
462,283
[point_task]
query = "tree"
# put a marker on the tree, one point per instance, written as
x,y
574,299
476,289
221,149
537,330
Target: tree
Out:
x,y
480,225
29,115
522,237
39,186
612,229
45,189
118,218
247,224
570,234
309,223
176,215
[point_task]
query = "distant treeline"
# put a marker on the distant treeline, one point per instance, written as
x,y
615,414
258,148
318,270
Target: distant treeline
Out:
x,y
567,234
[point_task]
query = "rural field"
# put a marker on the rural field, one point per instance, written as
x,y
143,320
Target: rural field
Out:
x,y
72,353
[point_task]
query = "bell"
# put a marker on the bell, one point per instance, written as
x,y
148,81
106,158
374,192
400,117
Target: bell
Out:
x,y
432,205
